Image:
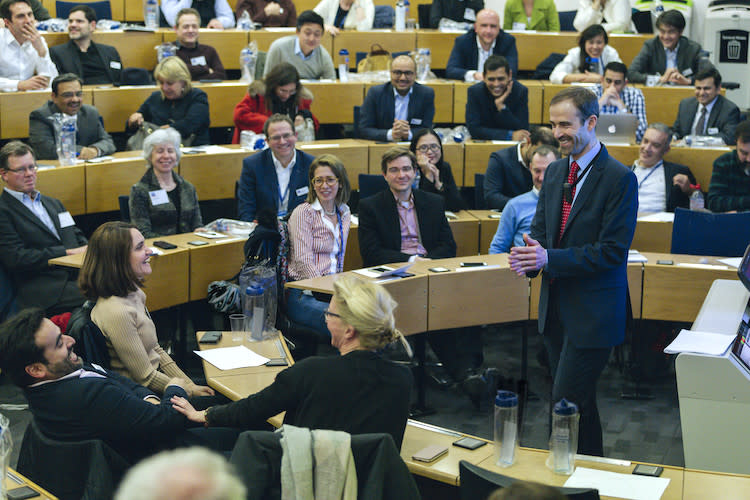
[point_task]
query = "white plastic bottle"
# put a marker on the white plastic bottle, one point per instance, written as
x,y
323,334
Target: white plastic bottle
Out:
x,y
151,14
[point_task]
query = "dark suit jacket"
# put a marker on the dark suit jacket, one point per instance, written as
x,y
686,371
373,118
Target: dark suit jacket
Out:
x,y
483,119
380,230
452,9
110,408
725,115
379,108
464,55
90,131
675,196
259,186
652,60
25,247
506,177
66,59
589,264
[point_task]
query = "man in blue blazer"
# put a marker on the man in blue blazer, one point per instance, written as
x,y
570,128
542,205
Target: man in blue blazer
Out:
x,y
580,236
76,401
276,177
470,50
392,111
498,107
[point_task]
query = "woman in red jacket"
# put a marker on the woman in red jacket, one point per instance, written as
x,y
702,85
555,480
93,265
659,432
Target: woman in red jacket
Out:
x,y
279,92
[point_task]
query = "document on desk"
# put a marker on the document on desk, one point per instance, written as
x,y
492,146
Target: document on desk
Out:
x,y
636,256
229,358
614,484
658,217
714,344
731,261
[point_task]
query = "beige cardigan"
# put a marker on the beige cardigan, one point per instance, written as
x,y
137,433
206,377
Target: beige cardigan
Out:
x,y
132,342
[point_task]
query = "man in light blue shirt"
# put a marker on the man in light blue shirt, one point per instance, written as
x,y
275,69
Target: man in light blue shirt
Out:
x,y
519,211
303,50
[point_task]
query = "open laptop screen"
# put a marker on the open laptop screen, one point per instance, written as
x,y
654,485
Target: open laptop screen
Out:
x,y
743,271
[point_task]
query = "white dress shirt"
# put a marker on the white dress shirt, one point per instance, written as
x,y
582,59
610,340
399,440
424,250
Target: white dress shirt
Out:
x,y
21,62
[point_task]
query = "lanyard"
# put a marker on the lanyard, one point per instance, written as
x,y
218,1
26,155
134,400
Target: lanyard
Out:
x,y
282,196
340,256
568,187
647,175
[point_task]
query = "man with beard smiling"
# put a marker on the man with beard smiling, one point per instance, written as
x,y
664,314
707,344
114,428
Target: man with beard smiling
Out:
x,y
498,107
67,97
74,401
392,110
580,236
95,63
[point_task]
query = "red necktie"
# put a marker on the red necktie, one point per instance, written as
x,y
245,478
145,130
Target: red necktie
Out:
x,y
572,176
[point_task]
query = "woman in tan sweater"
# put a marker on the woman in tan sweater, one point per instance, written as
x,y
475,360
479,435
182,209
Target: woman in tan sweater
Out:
x,y
116,263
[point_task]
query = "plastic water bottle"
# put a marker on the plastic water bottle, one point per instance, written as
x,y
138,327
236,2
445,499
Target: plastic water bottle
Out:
x,y
254,309
400,23
6,446
506,428
165,50
592,64
424,59
696,199
658,7
151,14
67,151
244,22
248,59
417,177
344,65
563,443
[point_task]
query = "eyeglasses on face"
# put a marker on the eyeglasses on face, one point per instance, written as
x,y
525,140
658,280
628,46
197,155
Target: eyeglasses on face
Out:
x,y
398,72
281,137
68,95
21,170
319,181
397,170
328,314
428,147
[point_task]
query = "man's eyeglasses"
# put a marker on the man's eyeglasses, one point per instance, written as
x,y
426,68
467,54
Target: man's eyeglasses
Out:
x,y
319,181
398,72
428,147
398,170
282,137
21,170
68,95
328,314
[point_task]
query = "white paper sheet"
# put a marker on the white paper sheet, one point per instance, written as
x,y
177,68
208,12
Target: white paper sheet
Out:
x,y
715,344
229,358
636,256
658,217
731,261
383,271
614,484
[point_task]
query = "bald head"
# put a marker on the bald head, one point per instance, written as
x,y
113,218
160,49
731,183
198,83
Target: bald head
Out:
x,y
403,74
487,27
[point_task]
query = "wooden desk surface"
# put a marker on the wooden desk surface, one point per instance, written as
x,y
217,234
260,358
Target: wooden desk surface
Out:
x,y
106,181
488,222
465,229
676,292
652,237
477,155
15,108
353,153
67,184
361,41
15,480
698,485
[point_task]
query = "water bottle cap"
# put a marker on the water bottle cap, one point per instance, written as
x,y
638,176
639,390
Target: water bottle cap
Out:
x,y
254,290
565,407
506,399
343,52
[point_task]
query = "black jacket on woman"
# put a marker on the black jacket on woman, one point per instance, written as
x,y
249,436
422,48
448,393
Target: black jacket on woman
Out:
x,y
450,192
188,114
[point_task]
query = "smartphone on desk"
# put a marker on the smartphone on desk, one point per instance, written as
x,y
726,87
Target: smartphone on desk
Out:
x,y
473,264
165,245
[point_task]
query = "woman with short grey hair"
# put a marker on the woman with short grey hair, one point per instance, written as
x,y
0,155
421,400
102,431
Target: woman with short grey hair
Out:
x,y
162,202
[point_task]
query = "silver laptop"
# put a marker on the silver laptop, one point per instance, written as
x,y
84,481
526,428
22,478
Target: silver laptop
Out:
x,y
616,129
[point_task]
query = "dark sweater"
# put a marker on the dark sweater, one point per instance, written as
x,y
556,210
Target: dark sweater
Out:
x,y
191,57
358,393
189,114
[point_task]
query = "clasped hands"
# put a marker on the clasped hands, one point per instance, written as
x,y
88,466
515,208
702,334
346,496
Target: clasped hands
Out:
x,y
530,258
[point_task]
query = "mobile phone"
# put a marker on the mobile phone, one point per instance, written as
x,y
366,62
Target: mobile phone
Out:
x,y
197,243
665,262
430,453
648,470
438,269
22,492
381,269
473,264
469,443
277,362
165,245
210,338
403,274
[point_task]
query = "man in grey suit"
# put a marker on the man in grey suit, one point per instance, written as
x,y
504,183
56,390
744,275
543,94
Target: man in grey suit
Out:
x,y
671,56
95,63
34,229
709,112
67,97
580,236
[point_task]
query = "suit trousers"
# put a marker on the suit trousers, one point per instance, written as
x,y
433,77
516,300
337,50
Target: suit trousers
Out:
x,y
575,372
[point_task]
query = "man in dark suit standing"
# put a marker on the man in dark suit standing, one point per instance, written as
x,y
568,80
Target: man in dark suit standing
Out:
x,y
402,224
709,112
580,236
276,177
392,111
67,98
34,229
508,173
95,63
472,49
662,185
75,401
498,107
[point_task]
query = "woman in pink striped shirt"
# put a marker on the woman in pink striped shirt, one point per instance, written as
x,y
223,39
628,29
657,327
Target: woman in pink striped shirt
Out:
x,y
318,230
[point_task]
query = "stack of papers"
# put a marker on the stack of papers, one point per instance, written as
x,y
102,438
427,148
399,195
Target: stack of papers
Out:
x,y
614,484
229,358
714,344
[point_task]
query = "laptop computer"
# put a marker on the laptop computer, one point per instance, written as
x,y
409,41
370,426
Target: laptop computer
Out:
x,y
616,129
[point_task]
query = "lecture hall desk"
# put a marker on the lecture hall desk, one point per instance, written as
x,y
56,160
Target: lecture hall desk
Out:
x,y
136,48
